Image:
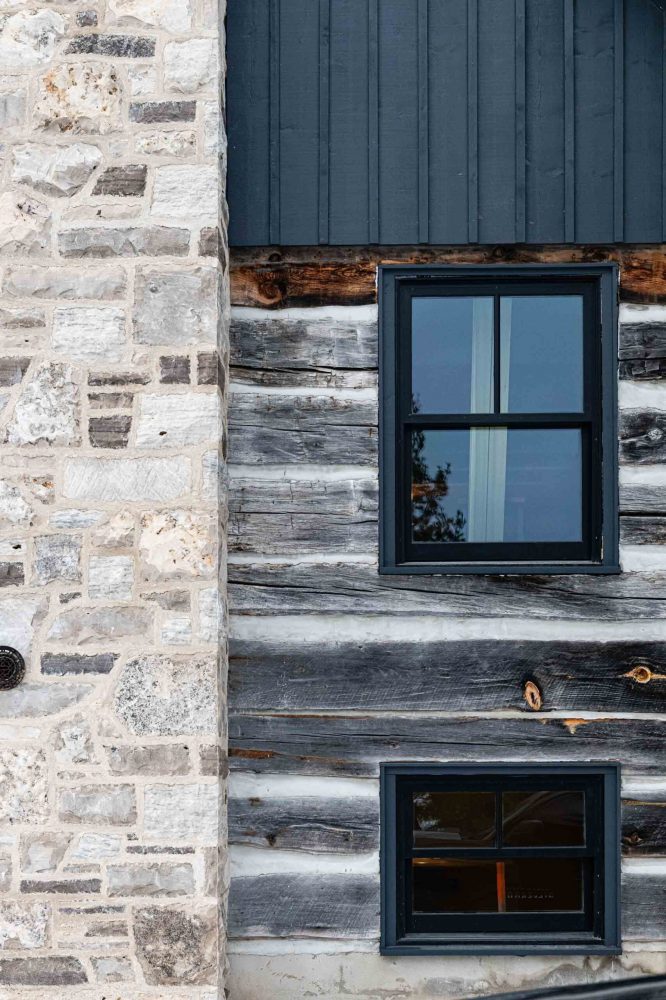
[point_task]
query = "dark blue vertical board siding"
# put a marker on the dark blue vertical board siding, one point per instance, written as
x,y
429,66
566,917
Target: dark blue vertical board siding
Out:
x,y
496,121
248,92
398,122
594,75
299,121
348,123
544,48
643,76
446,121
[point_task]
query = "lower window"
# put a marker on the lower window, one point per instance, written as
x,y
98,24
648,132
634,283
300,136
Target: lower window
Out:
x,y
500,858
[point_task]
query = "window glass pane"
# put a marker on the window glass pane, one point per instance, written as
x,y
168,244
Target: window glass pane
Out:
x,y
497,485
449,885
541,354
452,354
543,819
454,819
543,884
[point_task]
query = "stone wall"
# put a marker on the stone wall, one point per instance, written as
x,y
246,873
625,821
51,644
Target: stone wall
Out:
x,y
112,360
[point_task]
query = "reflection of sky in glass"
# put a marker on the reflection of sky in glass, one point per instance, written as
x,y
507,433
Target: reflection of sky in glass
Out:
x,y
541,495
541,352
443,335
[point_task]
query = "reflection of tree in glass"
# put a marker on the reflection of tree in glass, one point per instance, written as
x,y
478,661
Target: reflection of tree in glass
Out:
x,y
429,522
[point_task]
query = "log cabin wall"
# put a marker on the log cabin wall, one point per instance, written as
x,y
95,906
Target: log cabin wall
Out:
x,y
334,668
425,131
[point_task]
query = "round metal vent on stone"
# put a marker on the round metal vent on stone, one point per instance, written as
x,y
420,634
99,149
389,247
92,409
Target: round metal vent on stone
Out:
x,y
12,668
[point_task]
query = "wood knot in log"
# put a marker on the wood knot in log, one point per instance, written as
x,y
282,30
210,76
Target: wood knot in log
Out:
x,y
641,674
532,695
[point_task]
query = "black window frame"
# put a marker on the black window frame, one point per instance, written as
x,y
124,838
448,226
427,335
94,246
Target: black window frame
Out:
x,y
472,935
599,553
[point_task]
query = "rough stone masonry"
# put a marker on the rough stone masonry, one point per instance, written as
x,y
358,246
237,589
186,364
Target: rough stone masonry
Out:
x,y
113,349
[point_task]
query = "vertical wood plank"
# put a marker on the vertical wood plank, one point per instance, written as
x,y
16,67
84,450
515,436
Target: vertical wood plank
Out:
x,y
618,123
448,122
643,166
424,136
274,122
299,121
569,125
248,104
349,123
398,122
521,125
473,121
545,121
324,117
594,121
497,121
373,120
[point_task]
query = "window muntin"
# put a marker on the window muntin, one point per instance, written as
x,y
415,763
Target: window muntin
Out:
x,y
478,858
501,454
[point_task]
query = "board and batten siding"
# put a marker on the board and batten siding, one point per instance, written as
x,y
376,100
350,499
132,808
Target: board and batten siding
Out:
x,y
334,668
446,121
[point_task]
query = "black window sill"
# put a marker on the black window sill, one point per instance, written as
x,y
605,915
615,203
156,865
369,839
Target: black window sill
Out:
x,y
499,569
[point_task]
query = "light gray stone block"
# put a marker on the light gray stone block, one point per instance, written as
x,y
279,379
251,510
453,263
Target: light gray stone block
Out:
x,y
24,783
177,948
190,66
28,39
57,557
151,880
42,852
98,805
186,193
168,696
181,813
24,925
110,578
176,308
47,411
153,760
89,333
80,626
63,283
178,543
127,479
25,225
55,170
171,421
79,97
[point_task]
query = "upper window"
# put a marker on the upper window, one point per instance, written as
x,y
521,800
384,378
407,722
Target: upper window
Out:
x,y
498,445
500,857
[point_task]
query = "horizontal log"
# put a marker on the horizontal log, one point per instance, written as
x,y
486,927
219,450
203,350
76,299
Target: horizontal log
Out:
x,y
347,906
355,745
643,530
351,826
299,378
276,429
358,589
642,498
447,676
276,517
303,344
643,828
330,906
332,826
276,278
643,351
642,437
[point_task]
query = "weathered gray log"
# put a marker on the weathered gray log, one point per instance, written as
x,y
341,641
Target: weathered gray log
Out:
x,y
334,826
297,378
448,676
642,350
307,344
355,745
643,828
347,906
348,589
334,906
643,530
642,498
275,429
293,516
642,437
351,825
